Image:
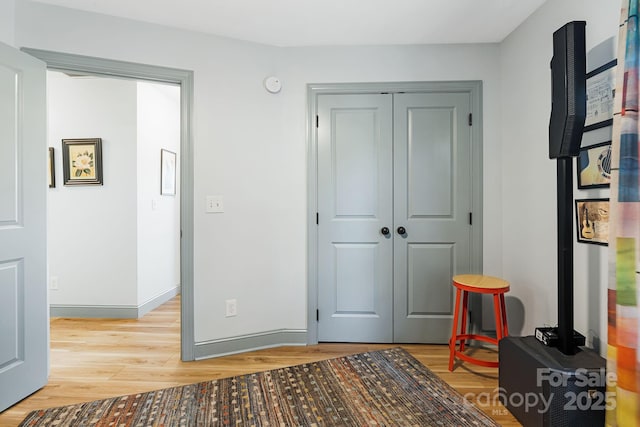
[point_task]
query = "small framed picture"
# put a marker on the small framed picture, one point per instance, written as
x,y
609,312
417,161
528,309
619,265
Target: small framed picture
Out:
x,y
594,166
82,161
51,169
601,88
167,172
592,219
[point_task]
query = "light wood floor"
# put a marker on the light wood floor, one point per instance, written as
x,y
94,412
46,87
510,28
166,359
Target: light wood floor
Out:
x,y
100,358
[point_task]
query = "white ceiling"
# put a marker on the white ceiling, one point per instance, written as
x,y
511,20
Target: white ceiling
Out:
x,y
327,22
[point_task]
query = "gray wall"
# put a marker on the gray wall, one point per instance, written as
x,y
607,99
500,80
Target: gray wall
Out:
x,y
91,238
250,147
529,209
7,22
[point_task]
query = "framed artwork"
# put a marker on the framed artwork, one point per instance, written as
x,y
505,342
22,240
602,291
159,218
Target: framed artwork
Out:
x,y
82,161
594,166
167,172
51,169
601,88
592,219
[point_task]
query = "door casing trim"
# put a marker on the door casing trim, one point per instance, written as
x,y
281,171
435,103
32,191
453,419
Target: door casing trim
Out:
x,y
474,88
130,70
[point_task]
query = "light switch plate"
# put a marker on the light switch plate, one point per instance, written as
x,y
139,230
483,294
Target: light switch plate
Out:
x,y
215,204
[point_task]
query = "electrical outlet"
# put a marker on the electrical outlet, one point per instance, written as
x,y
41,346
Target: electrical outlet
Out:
x,y
215,204
231,308
53,283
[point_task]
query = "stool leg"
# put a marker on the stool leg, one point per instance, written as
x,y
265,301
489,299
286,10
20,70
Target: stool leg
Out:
x,y
504,316
465,309
496,311
453,340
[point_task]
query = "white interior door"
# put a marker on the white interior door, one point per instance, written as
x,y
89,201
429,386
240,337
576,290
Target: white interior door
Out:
x,y
24,318
355,203
432,190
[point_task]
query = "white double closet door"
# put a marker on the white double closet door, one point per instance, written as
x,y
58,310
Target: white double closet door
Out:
x,y
394,203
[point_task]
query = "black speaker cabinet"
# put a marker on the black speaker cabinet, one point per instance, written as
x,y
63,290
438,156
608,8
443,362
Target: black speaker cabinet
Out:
x,y
541,386
568,90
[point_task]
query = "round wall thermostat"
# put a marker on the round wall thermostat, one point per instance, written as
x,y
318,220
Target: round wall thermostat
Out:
x,y
272,84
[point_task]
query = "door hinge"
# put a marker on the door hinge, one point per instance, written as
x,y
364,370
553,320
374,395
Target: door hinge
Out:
x,y
317,218
317,121
470,218
317,315
470,119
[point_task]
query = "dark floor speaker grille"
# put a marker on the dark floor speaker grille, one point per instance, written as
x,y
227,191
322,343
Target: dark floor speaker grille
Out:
x,y
575,385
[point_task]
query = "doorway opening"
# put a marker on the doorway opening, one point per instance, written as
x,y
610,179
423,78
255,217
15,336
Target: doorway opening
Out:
x,y
124,258
90,66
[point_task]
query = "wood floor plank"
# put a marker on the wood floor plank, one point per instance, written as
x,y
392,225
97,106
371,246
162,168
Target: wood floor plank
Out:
x,y
101,358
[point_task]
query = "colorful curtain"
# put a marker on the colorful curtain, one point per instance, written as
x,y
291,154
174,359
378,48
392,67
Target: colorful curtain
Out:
x,y
624,231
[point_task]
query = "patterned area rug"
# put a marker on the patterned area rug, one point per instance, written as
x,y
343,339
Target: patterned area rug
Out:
x,y
380,388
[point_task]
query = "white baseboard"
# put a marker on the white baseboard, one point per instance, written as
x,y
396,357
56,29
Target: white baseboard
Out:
x,y
242,344
157,301
112,311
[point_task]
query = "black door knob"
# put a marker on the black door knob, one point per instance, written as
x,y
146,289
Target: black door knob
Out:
x,y
385,231
402,230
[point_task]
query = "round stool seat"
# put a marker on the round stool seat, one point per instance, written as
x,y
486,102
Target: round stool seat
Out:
x,y
480,284
476,283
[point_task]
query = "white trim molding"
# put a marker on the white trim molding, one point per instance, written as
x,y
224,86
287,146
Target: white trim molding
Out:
x,y
107,67
112,311
250,342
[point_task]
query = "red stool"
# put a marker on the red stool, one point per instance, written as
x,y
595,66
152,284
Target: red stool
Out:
x,y
464,284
